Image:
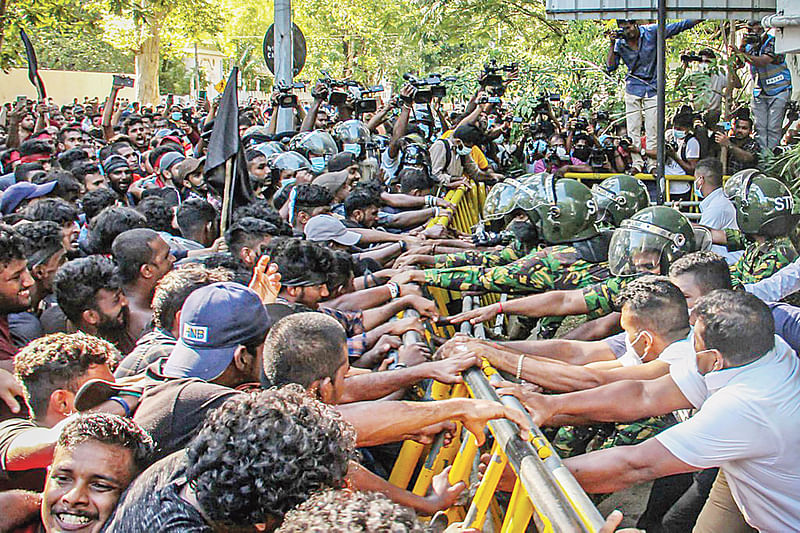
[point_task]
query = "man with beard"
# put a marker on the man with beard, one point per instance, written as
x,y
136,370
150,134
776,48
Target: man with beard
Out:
x,y
90,295
96,458
742,148
143,258
120,177
15,284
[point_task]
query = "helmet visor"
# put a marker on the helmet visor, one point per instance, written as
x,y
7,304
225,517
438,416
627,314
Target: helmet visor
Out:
x,y
499,202
634,252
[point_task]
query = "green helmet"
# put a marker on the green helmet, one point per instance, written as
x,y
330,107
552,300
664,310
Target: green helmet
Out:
x,y
650,241
620,197
501,199
562,210
733,185
764,206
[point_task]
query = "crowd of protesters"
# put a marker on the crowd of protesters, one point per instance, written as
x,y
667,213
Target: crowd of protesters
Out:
x,y
163,369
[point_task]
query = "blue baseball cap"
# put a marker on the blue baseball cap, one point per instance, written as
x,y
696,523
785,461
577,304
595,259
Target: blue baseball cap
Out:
x,y
19,192
215,320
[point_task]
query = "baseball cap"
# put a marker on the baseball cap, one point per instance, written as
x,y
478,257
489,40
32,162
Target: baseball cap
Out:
x,y
169,159
324,228
332,181
215,320
187,166
19,192
341,161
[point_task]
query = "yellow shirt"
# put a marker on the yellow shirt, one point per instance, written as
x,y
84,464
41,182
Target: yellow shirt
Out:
x,y
477,153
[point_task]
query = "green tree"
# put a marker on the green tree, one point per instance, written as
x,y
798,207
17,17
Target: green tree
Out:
x,y
145,26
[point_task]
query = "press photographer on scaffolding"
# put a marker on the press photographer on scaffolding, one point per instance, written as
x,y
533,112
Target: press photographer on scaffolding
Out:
x,y
635,45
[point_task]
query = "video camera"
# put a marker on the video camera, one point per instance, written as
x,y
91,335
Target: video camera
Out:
x,y
492,77
751,38
364,104
286,99
597,159
336,89
688,57
429,87
616,33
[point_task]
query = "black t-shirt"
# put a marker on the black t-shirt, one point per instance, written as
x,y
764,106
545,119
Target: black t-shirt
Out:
x,y
32,479
172,410
153,503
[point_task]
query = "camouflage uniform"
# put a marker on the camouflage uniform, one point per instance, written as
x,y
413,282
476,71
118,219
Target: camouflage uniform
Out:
x,y
488,258
601,298
570,441
759,260
553,268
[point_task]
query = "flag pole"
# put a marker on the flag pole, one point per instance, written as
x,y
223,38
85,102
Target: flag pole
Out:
x,y
226,197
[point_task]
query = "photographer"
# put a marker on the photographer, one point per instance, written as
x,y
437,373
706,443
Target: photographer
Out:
x,y
450,158
558,161
636,46
772,83
742,148
683,152
714,89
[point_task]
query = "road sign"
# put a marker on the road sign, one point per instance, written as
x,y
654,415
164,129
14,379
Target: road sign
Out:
x,y
298,48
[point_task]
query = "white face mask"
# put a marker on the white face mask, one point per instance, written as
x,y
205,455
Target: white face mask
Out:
x,y
463,150
629,349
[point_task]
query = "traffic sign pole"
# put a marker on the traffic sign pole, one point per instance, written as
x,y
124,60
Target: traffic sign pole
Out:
x,y
284,58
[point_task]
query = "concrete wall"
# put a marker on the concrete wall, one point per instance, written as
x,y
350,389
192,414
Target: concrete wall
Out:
x,y
61,85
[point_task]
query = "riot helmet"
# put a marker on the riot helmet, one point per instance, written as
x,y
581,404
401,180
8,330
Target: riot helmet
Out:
x,y
619,197
650,241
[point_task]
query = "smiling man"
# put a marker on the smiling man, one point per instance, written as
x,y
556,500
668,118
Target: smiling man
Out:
x,y
15,284
96,458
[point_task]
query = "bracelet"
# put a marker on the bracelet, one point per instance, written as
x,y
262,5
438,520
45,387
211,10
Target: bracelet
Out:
x,y
519,365
400,365
403,245
122,404
429,200
433,250
394,289
499,308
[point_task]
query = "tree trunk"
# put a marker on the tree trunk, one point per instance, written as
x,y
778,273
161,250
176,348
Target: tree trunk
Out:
x,y
148,64
3,8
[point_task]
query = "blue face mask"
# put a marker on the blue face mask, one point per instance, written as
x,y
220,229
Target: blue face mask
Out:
x,y
176,116
424,129
354,149
697,191
317,164
678,134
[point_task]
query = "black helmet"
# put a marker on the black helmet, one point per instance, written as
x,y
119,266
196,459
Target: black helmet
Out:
x,y
317,146
353,137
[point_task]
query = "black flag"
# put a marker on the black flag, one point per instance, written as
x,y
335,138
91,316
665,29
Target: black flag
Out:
x,y
225,145
33,65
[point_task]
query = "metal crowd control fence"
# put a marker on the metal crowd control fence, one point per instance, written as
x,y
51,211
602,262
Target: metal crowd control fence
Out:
x,y
543,484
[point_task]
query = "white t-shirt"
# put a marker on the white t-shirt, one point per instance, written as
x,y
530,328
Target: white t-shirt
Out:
x,y
749,426
389,165
673,168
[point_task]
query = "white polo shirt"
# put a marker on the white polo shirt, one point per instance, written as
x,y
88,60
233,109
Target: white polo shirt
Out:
x,y
749,426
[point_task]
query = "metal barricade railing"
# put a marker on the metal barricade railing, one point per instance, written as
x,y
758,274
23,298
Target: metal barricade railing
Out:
x,y
543,486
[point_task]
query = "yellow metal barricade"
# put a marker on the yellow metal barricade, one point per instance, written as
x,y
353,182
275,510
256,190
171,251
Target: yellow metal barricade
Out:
x,y
543,484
